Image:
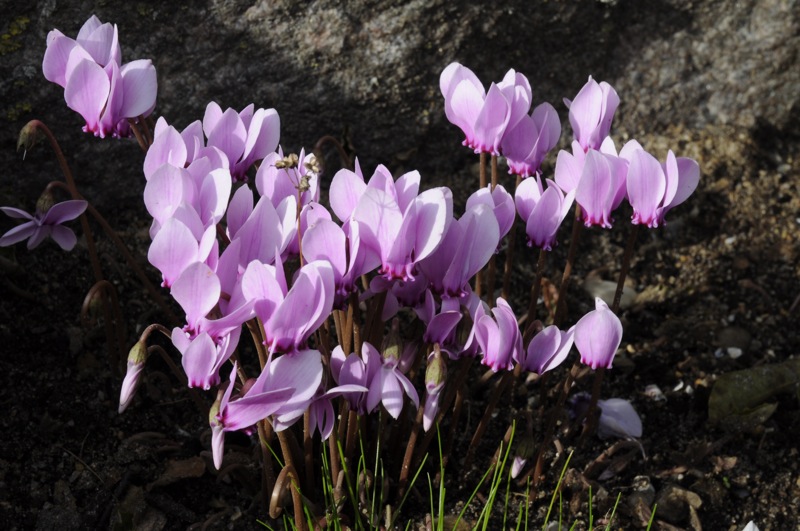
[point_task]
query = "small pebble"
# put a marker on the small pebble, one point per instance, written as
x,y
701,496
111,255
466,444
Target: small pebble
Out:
x,y
654,392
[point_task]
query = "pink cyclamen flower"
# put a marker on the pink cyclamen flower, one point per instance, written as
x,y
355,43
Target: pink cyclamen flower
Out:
x,y
284,389
547,350
543,211
654,188
591,112
526,145
498,336
96,83
244,137
598,335
42,224
601,188
484,116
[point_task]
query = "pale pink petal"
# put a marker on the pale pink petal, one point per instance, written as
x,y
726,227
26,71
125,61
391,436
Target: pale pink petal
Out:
x,y
140,86
87,92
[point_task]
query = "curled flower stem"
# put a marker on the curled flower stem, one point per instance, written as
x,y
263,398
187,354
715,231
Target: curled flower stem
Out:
x,y
288,480
123,249
72,188
345,159
267,472
196,398
139,137
115,329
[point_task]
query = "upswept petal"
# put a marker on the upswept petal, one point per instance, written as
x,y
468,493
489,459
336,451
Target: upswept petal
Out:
x,y
139,87
172,250
325,240
491,122
198,362
548,349
87,92
646,185
64,211
54,65
229,135
261,233
164,192
168,148
345,193
197,290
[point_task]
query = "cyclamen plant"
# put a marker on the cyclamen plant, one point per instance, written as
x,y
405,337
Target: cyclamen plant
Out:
x,y
247,248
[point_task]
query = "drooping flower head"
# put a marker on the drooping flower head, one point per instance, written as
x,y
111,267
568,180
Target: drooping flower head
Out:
x,y
483,116
96,83
654,188
598,335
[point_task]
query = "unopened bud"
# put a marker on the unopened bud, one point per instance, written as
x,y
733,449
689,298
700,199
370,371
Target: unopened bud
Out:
x,y
392,346
435,372
136,360
45,202
29,136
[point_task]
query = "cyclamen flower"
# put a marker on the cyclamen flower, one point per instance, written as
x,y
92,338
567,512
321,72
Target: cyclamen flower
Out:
x,y
96,83
283,391
244,137
498,337
44,223
547,350
484,116
542,211
653,188
598,335
526,145
591,113
601,188
399,224
465,249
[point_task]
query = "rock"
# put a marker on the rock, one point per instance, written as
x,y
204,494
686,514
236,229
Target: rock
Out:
x,y
674,504
370,70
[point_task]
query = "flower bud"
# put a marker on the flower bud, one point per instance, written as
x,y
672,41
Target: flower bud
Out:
x,y
29,136
136,359
45,202
392,346
436,372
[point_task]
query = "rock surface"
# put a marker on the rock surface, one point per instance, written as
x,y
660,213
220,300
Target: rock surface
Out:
x,y
370,70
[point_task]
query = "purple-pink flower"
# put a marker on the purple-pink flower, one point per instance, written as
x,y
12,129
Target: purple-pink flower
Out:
x,y
591,113
598,335
96,83
526,145
484,116
543,211
654,188
40,225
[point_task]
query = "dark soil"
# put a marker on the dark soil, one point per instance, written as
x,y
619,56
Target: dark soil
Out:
x,y
722,275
